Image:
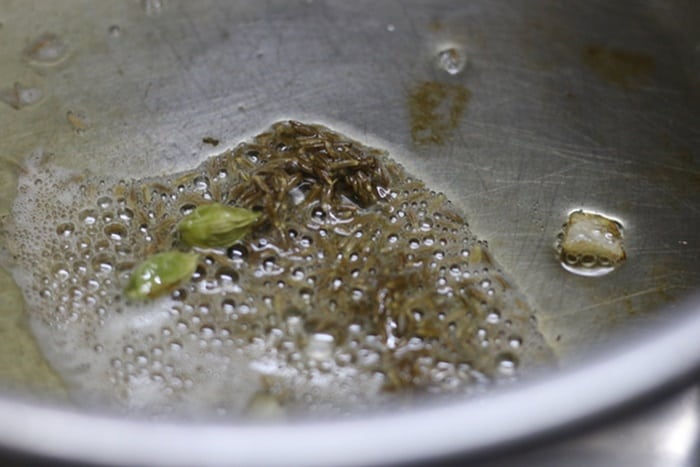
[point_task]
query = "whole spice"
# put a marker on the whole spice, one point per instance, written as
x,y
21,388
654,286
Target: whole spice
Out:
x,y
160,273
216,225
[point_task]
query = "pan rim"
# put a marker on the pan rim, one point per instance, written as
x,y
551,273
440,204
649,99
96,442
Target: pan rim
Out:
x,y
600,386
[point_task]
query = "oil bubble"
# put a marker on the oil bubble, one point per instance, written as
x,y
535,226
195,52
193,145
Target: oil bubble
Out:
x,y
332,309
152,7
61,273
226,276
125,214
320,346
65,229
88,216
515,342
507,363
451,60
19,96
47,49
201,183
102,264
115,232
590,244
104,202
493,317
114,31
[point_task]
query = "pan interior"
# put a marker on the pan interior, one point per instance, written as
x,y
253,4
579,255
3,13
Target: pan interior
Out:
x,y
521,114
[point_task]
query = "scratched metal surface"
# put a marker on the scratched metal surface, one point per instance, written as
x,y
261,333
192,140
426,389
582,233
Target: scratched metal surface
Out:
x,y
544,131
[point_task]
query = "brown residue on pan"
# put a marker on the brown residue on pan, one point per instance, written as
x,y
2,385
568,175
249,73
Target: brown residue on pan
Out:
x,y
435,110
620,67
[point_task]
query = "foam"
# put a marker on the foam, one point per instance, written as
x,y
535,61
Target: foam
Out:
x,y
324,309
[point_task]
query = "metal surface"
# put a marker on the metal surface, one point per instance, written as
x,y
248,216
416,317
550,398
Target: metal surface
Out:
x,y
663,437
547,128
614,379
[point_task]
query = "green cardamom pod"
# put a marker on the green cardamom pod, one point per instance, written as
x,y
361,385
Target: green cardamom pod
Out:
x,y
216,225
160,273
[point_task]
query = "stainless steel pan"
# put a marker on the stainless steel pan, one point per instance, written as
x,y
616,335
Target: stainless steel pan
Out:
x,y
583,105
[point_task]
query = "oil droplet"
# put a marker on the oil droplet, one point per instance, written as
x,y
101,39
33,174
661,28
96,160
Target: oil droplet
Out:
x,y
152,7
19,96
61,273
320,346
493,317
451,60
507,364
104,202
207,332
125,214
80,268
201,183
102,264
590,244
114,31
88,217
47,49
357,294
306,294
270,266
115,232
65,230
226,276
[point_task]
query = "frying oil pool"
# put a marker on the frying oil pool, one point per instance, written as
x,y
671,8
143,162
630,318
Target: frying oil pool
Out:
x,y
590,244
360,285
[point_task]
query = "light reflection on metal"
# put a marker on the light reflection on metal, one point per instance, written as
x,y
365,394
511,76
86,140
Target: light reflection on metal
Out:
x,y
680,437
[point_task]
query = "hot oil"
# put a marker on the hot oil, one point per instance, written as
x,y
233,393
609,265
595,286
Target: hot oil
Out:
x,y
360,286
